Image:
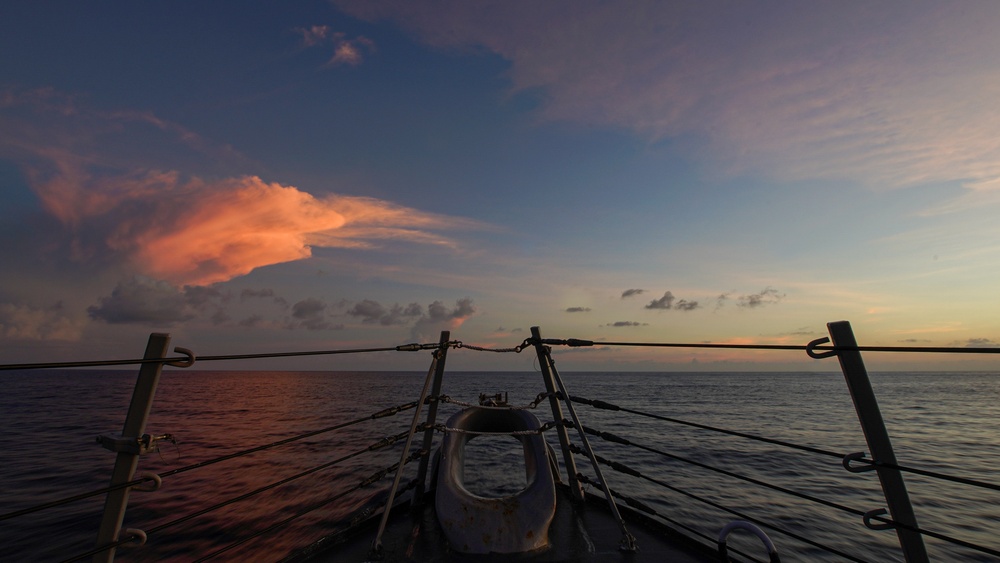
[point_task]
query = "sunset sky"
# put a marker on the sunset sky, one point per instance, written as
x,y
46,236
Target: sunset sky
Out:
x,y
261,176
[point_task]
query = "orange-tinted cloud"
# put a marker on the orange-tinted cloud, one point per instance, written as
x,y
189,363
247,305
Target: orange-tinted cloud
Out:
x,y
196,232
183,230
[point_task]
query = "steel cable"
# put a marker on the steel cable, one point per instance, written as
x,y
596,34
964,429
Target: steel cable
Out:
x,y
927,473
68,500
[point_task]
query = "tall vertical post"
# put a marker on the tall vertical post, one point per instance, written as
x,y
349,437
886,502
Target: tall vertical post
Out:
x,y
127,446
545,361
877,437
418,493
376,550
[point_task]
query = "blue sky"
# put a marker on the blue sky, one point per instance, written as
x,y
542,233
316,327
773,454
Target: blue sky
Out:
x,y
272,175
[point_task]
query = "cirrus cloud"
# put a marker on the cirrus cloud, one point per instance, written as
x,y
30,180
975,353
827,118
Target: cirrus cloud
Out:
x,y
865,91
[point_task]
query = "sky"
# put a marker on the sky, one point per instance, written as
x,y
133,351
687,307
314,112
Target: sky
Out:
x,y
277,176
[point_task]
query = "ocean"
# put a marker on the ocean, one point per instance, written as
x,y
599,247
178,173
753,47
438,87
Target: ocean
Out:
x,y
946,422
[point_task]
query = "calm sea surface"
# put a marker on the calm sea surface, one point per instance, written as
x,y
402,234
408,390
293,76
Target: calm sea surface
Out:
x,y
49,420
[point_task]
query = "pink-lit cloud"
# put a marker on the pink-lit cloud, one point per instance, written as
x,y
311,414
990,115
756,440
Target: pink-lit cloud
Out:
x,y
184,229
199,232
867,92
346,50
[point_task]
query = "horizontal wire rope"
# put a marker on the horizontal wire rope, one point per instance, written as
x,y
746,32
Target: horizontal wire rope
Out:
x,y
925,472
796,347
380,414
184,359
573,342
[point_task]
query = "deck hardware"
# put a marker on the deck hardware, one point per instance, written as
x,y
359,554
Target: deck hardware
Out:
x,y
437,366
131,445
127,461
867,519
549,371
497,400
183,363
879,444
772,551
811,349
154,484
858,456
135,533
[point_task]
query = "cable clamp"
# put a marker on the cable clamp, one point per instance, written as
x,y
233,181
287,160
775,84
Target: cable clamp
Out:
x,y
867,519
811,349
183,363
149,487
136,535
135,446
858,456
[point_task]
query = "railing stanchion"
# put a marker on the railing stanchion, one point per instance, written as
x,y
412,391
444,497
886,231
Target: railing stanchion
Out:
x,y
128,458
877,437
438,358
418,493
628,540
576,489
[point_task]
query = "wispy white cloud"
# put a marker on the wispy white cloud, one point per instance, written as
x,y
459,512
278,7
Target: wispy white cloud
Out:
x,y
867,92
346,50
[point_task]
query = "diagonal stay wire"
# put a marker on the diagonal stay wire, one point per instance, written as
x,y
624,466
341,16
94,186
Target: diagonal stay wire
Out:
x,y
610,406
245,496
315,506
596,403
60,502
270,486
732,474
746,517
804,496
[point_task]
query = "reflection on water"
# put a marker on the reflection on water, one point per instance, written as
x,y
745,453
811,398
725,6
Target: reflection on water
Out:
x,y
946,422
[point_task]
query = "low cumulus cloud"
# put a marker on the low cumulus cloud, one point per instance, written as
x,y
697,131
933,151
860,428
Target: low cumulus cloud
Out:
x,y
767,296
578,309
372,312
668,301
439,317
621,324
24,322
147,301
632,292
980,343
267,294
311,314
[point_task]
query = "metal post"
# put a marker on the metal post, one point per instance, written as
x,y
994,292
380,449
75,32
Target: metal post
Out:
x,y
545,361
376,550
418,493
628,540
128,456
877,437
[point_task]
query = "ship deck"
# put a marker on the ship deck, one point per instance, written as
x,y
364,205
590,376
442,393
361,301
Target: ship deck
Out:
x,y
579,532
